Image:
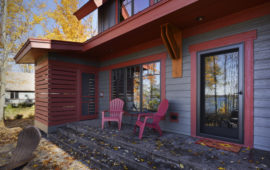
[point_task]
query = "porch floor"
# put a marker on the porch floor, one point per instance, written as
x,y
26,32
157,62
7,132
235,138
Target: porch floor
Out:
x,y
113,149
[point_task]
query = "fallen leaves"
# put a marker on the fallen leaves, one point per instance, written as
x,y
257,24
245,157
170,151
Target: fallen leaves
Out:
x,y
8,135
181,166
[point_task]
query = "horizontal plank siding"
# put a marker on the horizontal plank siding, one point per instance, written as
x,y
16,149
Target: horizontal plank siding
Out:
x,y
62,93
41,93
262,86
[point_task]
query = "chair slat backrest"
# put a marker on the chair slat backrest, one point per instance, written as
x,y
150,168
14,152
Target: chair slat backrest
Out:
x,y
162,110
28,141
116,106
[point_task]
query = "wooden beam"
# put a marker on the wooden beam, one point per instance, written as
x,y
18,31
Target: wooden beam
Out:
x,y
172,39
89,7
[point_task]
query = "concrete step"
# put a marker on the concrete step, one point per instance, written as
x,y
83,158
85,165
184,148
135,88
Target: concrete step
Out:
x,y
148,155
123,140
89,159
127,155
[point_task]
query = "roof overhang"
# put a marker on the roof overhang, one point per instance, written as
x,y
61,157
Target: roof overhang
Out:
x,y
35,48
89,7
145,27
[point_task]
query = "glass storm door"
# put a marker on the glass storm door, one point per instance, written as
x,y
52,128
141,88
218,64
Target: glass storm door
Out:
x,y
88,95
221,94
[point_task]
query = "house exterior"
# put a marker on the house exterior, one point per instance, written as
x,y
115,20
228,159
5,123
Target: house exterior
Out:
x,y
20,88
209,58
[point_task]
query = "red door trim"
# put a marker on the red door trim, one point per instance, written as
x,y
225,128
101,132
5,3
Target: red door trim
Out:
x,y
247,38
81,117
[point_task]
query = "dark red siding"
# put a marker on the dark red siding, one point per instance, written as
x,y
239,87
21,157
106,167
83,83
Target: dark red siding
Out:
x,y
57,92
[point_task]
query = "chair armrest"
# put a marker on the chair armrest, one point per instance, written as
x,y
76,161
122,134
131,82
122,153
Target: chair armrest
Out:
x,y
144,114
146,118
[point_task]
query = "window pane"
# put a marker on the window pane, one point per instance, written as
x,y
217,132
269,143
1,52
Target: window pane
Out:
x,y
133,89
127,83
126,9
140,5
151,86
118,87
151,93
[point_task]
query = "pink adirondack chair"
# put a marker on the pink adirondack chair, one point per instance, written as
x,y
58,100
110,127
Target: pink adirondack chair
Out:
x,y
116,112
156,117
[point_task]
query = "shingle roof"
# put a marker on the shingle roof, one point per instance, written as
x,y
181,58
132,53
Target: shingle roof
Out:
x,y
18,81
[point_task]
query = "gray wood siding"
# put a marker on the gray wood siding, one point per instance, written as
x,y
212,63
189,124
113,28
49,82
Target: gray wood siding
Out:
x,y
104,86
178,90
63,58
262,85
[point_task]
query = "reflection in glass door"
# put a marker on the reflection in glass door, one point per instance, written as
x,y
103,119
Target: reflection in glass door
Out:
x,y
220,105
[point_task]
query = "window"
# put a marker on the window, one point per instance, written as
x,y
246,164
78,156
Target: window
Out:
x,y
14,95
131,7
138,86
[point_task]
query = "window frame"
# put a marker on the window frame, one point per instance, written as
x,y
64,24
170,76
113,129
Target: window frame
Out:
x,y
141,110
151,2
14,95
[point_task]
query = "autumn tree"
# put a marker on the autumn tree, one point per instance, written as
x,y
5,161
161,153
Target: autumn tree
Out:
x,y
212,70
64,25
17,22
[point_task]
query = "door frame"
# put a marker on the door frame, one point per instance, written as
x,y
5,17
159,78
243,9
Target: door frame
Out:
x,y
79,73
247,38
241,85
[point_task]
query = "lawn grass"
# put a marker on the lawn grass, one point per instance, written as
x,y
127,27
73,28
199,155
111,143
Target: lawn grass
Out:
x,y
12,113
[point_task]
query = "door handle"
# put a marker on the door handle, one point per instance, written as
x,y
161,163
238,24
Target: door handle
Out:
x,y
240,92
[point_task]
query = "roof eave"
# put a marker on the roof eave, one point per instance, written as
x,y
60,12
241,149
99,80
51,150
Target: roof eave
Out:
x,y
34,48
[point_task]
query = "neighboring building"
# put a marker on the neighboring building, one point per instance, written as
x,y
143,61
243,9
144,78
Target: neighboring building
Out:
x,y
20,88
209,58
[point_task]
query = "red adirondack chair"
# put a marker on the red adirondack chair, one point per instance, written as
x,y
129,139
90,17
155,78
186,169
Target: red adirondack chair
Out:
x,y
116,112
156,117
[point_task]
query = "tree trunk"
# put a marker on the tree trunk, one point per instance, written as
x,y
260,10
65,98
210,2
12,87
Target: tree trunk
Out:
x,y
3,62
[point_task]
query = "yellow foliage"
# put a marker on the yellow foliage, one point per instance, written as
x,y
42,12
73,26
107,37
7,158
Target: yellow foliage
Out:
x,y
67,27
20,21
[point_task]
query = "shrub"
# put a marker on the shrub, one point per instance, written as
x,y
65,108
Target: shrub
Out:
x,y
18,116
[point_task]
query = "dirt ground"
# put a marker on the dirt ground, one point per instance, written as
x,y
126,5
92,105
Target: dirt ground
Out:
x,y
48,155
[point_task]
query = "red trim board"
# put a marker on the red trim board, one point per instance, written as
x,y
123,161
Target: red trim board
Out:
x,y
247,38
161,56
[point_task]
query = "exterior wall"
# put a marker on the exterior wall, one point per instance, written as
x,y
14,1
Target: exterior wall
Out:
x,y
178,90
106,16
104,87
23,97
262,85
74,60
261,75
58,92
